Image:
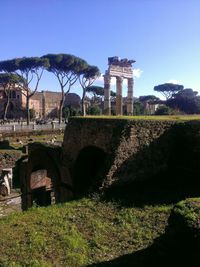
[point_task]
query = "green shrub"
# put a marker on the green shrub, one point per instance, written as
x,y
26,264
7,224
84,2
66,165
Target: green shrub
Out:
x,y
93,110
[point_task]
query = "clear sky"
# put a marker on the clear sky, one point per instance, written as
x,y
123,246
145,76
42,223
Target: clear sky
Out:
x,y
163,36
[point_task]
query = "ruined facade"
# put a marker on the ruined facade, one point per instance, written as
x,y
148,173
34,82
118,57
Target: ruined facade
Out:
x,y
44,103
120,69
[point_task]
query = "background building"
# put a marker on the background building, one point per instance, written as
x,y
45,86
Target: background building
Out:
x,y
45,103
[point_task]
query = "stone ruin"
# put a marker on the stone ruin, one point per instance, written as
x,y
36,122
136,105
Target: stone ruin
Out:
x,y
6,181
121,69
42,188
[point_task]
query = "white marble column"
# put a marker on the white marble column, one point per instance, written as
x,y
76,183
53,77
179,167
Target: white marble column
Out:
x,y
107,105
119,100
130,97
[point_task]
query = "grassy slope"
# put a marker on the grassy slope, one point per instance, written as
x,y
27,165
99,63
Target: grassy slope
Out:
x,y
78,233
150,117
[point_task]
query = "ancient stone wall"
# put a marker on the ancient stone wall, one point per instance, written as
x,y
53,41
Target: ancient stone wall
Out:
x,y
117,153
136,150
8,158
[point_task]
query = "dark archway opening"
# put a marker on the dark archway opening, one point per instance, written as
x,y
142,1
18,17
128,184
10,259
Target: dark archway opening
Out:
x,y
88,170
41,197
42,191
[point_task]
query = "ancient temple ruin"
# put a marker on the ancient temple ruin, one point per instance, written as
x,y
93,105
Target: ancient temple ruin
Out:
x,y
120,69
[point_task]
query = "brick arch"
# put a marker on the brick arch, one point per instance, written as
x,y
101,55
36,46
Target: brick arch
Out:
x,y
89,169
42,162
40,159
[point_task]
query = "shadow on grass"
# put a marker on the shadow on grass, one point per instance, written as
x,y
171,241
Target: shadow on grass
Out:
x,y
174,248
151,257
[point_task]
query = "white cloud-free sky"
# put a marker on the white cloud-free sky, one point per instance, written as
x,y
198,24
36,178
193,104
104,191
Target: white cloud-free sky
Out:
x,y
162,36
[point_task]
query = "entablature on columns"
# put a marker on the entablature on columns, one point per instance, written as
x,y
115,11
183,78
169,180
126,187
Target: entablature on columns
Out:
x,y
120,67
117,71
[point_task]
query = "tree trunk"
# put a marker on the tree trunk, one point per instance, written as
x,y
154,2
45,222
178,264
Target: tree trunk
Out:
x,y
83,111
83,103
27,111
60,110
6,108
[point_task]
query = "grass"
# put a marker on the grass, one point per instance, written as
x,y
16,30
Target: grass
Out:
x,y
190,210
78,233
149,117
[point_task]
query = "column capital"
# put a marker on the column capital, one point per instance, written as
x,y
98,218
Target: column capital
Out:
x,y
119,79
130,80
106,76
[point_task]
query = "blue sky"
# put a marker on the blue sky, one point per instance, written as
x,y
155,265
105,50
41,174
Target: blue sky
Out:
x,y
163,36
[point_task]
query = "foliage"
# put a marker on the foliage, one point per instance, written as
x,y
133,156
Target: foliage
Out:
x,y
187,93
186,100
66,68
7,82
26,66
168,89
10,78
163,110
30,69
94,110
69,111
78,233
98,91
87,76
138,108
97,98
148,98
32,114
142,106
95,90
